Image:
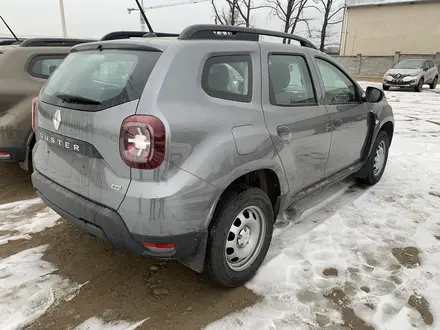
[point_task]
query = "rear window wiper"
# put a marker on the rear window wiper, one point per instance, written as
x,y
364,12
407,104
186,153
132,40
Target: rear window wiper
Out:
x,y
71,98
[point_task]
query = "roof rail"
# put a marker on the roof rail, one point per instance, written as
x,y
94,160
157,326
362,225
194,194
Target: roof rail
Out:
x,y
8,41
52,42
135,34
208,31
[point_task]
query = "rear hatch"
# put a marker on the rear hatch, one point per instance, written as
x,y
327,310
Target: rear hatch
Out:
x,y
79,117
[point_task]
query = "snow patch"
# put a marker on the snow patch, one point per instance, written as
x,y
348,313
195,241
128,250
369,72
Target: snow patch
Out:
x,y
17,221
97,324
355,231
28,288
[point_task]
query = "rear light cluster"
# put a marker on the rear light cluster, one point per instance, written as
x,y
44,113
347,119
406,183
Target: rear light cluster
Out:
x,y
142,142
34,113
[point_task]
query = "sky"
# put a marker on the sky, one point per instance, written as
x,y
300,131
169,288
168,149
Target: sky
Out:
x,y
94,18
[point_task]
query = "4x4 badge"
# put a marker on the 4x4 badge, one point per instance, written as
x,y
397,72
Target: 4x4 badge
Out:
x,y
57,119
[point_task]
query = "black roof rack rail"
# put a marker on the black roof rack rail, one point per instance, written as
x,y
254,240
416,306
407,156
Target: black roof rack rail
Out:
x,y
207,31
9,41
53,42
135,34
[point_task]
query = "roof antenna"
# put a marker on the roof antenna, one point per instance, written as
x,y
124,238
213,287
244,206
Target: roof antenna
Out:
x,y
10,30
144,16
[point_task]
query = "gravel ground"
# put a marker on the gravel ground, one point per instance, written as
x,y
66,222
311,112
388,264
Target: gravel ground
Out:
x,y
119,287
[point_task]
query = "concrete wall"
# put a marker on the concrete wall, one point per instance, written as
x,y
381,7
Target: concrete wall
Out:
x,y
376,66
373,30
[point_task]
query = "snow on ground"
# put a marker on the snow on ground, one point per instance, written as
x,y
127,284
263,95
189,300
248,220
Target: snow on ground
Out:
x,y
97,324
362,258
28,288
19,219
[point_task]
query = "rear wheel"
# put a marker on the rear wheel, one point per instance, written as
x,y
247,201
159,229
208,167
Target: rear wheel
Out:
x,y
434,83
386,88
239,237
419,86
373,169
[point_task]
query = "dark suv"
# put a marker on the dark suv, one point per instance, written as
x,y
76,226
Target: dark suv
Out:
x,y
189,147
24,69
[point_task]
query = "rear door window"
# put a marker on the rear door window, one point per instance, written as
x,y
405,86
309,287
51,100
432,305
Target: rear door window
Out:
x,y
42,66
96,80
290,81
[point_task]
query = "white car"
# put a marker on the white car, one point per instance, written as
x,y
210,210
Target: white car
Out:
x,y
412,73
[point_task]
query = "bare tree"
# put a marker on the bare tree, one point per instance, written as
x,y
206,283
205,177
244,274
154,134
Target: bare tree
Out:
x,y
291,13
238,12
330,9
230,16
245,8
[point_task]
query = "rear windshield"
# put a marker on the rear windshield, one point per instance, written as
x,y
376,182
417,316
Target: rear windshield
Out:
x,y
96,80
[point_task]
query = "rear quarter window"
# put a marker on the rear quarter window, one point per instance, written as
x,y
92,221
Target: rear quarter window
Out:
x,y
228,77
96,80
42,66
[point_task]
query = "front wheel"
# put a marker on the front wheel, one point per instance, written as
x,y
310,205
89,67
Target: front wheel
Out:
x,y
434,83
419,86
239,237
373,169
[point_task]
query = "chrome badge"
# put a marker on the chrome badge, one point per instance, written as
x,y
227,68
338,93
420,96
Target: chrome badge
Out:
x,y
57,119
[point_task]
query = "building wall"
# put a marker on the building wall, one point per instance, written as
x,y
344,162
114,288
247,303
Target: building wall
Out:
x,y
384,30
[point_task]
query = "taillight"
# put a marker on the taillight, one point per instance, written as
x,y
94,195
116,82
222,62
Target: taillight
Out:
x,y
34,113
142,142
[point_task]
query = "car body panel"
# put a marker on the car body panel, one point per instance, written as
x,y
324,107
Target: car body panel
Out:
x,y
17,89
89,175
349,122
304,152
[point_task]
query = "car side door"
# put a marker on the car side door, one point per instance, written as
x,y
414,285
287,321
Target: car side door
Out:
x,y
348,115
295,116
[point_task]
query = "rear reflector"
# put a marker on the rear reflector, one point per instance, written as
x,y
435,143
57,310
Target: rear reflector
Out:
x,y
159,247
5,155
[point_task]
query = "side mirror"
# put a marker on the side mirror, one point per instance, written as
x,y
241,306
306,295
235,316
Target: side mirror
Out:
x,y
374,95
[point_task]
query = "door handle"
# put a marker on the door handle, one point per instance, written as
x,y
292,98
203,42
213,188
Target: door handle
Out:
x,y
284,132
338,124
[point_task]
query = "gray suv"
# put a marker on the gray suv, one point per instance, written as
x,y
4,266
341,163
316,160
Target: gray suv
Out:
x,y
188,147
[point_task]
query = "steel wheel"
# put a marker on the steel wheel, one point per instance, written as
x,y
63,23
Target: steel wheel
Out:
x,y
245,238
379,158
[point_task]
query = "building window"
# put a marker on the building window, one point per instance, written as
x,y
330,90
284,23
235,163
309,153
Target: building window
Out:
x,y
290,81
228,77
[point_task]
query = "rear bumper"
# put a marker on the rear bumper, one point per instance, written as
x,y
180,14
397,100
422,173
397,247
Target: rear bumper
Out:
x,y
106,223
12,155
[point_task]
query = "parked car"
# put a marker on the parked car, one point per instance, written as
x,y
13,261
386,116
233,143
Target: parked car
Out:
x,y
157,146
24,69
412,73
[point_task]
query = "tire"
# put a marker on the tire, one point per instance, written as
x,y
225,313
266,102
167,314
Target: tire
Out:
x,y
386,88
419,86
368,175
224,233
434,83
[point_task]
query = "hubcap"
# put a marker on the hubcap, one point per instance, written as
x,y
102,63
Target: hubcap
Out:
x,y
379,159
245,238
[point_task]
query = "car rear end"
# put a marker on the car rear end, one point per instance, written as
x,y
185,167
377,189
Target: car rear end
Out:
x,y
91,145
15,100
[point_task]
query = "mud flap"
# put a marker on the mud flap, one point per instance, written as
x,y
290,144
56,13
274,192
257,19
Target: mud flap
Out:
x,y
197,262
